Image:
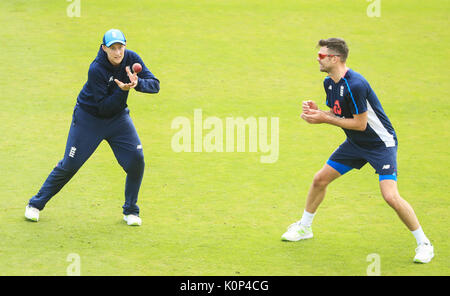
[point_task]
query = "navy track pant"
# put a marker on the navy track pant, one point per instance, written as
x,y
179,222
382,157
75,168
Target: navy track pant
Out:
x,y
86,133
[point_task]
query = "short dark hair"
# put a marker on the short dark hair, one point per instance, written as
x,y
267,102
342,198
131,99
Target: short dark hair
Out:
x,y
337,45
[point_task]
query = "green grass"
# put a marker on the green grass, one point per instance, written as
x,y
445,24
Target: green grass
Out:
x,y
222,213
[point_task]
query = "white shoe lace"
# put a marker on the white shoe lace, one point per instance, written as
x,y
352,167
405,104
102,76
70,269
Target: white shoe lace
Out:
x,y
33,210
423,247
295,224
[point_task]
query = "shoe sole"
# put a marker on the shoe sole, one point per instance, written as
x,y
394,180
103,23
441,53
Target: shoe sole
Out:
x,y
423,262
302,238
134,224
32,219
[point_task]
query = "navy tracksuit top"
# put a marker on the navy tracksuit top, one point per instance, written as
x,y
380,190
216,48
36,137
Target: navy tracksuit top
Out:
x,y
101,96
104,118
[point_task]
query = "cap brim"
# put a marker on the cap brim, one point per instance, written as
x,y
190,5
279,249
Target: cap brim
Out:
x,y
115,41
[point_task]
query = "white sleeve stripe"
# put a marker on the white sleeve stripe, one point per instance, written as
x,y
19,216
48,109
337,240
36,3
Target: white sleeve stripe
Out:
x,y
374,122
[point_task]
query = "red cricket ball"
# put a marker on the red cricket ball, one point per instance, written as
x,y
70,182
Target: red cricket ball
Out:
x,y
137,68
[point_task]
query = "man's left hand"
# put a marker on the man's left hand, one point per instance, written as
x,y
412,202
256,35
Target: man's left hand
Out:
x,y
133,80
314,116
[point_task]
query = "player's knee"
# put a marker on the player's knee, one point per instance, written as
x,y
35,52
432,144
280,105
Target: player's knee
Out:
x,y
140,163
392,198
69,166
136,163
320,180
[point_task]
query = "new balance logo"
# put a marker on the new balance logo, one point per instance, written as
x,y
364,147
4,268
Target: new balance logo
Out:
x,y
72,152
111,78
330,87
386,166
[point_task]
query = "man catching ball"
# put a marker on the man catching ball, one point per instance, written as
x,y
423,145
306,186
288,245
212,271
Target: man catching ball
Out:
x,y
101,113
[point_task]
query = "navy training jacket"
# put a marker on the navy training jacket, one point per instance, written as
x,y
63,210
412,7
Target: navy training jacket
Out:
x,y
101,96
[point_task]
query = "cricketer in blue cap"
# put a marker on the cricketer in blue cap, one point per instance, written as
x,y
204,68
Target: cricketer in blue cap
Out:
x,y
101,113
113,45
114,36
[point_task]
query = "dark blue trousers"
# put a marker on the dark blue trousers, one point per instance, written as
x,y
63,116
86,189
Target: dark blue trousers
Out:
x,y
86,133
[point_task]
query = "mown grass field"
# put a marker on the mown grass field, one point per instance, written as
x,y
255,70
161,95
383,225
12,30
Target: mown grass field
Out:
x,y
222,213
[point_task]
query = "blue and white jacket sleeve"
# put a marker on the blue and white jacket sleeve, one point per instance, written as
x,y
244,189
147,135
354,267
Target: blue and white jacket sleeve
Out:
x,y
147,82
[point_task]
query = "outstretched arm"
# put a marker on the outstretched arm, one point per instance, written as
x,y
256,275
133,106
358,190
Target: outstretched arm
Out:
x,y
358,122
313,115
144,81
147,82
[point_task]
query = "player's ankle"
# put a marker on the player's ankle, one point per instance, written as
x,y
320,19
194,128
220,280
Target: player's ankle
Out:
x,y
420,236
307,219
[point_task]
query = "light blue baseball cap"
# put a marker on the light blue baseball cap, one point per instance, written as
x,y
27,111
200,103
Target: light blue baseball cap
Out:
x,y
114,36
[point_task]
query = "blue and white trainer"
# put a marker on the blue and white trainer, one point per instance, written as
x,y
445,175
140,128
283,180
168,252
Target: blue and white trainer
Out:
x,y
424,253
31,213
296,232
132,220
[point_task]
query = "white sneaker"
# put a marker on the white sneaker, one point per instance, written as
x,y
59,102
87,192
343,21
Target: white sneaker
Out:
x,y
31,213
424,253
296,232
132,220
